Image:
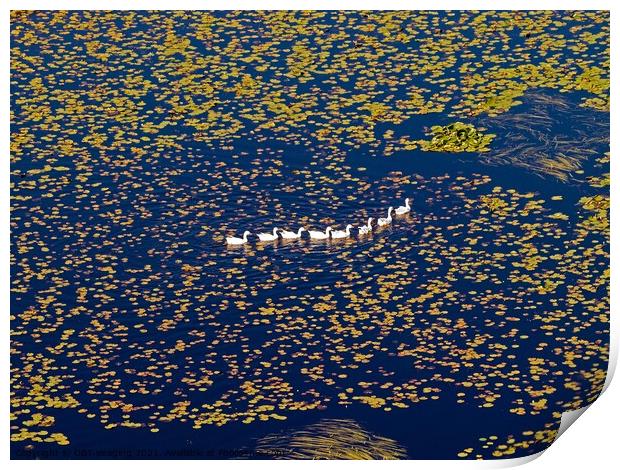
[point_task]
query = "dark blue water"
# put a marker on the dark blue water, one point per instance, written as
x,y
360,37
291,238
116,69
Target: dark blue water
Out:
x,y
166,339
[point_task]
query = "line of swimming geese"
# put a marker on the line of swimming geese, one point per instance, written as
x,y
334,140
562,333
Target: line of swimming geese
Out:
x,y
317,235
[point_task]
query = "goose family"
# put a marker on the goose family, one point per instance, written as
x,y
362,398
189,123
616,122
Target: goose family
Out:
x,y
329,233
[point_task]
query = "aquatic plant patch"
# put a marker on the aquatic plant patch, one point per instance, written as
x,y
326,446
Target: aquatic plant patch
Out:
x,y
457,137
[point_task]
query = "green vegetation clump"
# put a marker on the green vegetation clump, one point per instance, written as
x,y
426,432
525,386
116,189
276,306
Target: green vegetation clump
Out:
x,y
503,101
592,80
599,204
457,137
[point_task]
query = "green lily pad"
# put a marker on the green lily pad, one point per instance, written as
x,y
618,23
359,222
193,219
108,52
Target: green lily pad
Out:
x,y
457,137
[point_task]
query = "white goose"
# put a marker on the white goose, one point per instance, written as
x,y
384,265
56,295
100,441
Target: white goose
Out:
x,y
291,235
385,220
366,229
268,237
315,235
342,233
403,209
237,240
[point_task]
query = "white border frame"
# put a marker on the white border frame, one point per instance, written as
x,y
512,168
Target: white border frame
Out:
x,y
592,443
